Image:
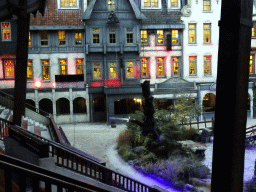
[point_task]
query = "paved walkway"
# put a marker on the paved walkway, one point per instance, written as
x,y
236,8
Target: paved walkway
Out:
x,y
99,140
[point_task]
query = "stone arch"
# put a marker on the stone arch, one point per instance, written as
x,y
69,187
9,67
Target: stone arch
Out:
x,y
79,105
32,103
209,102
62,106
46,105
127,105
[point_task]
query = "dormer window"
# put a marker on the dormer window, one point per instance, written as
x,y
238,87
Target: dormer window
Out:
x,y
151,4
111,5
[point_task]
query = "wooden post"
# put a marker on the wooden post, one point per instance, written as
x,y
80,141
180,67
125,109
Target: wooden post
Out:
x,y
21,63
232,82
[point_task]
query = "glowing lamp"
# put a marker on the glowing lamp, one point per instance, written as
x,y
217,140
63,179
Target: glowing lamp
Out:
x,y
54,85
38,84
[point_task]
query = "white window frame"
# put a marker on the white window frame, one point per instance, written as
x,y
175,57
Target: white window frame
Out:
x,y
100,39
76,7
170,7
112,31
133,67
101,70
159,5
109,62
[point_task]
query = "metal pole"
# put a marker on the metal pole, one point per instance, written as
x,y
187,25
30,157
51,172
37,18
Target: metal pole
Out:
x,y
231,95
21,63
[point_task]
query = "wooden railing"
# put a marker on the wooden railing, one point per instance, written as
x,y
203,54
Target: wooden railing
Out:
x,y
66,158
198,123
41,180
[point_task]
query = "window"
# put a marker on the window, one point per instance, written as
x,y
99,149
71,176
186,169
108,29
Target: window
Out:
x,y
97,73
145,67
44,38
113,69
144,36
192,33
29,38
253,32
79,66
176,65
111,5
175,36
251,64
63,66
207,65
46,69
153,4
67,4
96,35
207,33
6,31
160,67
78,38
192,65
62,37
174,4
30,70
129,69
207,5
129,35
160,37
9,69
112,35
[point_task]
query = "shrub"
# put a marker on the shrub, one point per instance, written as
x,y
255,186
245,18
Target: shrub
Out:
x,y
125,151
125,138
250,186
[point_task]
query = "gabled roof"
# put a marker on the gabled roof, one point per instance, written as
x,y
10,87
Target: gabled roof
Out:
x,y
87,14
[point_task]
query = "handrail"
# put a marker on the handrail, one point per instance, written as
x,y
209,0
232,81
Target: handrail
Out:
x,y
198,122
54,130
37,174
87,167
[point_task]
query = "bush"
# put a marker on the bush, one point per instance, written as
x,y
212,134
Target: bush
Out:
x,y
125,138
125,151
250,186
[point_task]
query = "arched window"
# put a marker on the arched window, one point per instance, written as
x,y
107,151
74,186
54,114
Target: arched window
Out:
x,y
79,105
46,105
62,106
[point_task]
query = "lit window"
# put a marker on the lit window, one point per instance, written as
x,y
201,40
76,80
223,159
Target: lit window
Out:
x,y
6,31
112,35
9,69
207,65
44,38
150,3
129,35
68,3
253,32
96,36
113,69
207,33
144,36
29,38
192,66
63,66
129,69
62,37
79,66
192,33
174,3
111,5
30,70
46,69
145,67
160,36
251,64
97,70
78,38
160,67
175,36
175,65
207,5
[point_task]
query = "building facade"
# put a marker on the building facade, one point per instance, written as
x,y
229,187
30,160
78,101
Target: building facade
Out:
x,y
87,58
